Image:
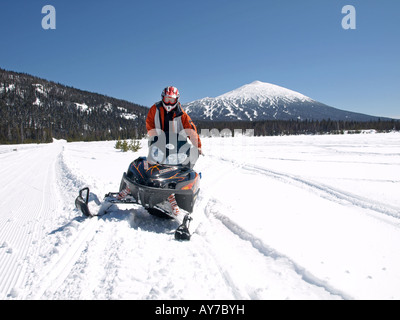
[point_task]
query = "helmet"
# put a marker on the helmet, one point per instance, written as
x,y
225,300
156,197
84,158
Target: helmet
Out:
x,y
170,97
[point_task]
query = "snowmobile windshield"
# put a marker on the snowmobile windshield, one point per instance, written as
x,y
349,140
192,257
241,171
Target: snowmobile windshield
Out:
x,y
172,151
162,158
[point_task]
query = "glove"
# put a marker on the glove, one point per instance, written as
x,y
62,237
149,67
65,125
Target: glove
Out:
x,y
200,152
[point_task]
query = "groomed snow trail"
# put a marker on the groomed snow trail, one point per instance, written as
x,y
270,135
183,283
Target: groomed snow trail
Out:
x,y
276,218
30,206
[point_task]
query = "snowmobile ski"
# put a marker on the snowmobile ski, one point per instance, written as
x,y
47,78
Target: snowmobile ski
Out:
x,y
111,198
81,202
182,233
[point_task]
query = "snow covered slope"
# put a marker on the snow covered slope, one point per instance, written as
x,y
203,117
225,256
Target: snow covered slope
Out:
x,y
265,101
295,217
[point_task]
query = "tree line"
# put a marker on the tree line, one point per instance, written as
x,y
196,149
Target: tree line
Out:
x,y
296,127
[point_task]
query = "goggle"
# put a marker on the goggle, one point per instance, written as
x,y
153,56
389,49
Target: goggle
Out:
x,y
169,100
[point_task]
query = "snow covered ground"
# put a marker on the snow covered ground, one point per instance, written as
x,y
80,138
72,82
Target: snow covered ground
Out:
x,y
295,217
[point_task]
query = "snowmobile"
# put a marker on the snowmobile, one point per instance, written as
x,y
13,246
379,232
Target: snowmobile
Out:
x,y
164,183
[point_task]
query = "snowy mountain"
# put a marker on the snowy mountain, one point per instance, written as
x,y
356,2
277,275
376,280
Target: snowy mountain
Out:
x,y
264,101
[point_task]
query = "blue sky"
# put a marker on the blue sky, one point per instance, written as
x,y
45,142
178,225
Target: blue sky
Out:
x,y
133,49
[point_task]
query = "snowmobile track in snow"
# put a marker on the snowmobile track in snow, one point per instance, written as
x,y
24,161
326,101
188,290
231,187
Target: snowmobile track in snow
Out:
x,y
57,271
265,251
206,206
331,194
324,191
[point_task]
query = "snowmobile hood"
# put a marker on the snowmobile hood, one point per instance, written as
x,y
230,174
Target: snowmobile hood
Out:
x,y
159,176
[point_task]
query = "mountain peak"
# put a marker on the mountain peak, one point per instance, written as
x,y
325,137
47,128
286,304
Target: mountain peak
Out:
x,y
261,91
257,82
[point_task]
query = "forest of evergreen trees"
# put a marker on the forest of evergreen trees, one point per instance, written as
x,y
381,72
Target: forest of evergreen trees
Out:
x,y
296,127
37,110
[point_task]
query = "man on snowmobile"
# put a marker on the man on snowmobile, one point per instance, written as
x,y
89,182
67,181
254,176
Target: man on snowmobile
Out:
x,y
164,182
167,116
